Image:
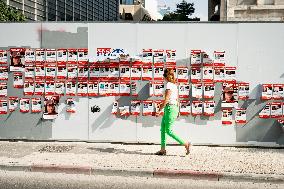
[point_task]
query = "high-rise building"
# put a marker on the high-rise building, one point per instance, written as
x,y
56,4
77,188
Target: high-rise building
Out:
x,y
68,10
133,10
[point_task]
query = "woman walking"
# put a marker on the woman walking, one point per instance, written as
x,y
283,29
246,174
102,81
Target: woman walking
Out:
x,y
171,111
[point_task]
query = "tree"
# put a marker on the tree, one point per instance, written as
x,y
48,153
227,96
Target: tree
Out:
x,y
182,13
8,13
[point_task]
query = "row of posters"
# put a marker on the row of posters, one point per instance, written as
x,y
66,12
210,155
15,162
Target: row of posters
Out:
x,y
272,91
272,110
200,57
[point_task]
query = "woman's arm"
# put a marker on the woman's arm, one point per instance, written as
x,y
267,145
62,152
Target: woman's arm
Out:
x,y
166,100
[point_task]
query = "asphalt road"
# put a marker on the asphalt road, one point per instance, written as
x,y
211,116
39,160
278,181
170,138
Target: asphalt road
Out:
x,y
28,180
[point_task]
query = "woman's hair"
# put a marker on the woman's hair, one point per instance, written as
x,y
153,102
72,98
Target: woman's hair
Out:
x,y
169,74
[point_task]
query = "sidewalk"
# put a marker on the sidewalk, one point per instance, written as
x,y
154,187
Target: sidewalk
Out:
x,y
204,162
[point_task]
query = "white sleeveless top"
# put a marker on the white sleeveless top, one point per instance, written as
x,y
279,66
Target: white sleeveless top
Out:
x,y
173,99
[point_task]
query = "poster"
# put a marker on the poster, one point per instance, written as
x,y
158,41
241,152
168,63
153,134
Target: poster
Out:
x,y
49,87
230,95
113,72
158,73
240,117
209,108
227,116
30,56
134,90
159,88
208,90
103,88
72,71
13,103
29,71
4,73
83,55
266,91
265,112
50,55
50,107
183,90
136,60
3,106
230,74
40,55
208,74
61,70
157,104
113,89
124,88
185,107
148,108
219,74
219,58
195,57
147,73
24,105
62,56
278,93
135,107
18,81
197,90
29,88
276,110
104,72
39,87
39,71
3,90
159,57
197,107
136,72
243,91
36,105
72,56
119,55
17,56
170,57
94,72
124,72
281,121
71,88
50,71
182,74
83,71
59,88
151,88
103,55
93,88
70,105
196,74
114,108
147,56
206,60
3,57
124,111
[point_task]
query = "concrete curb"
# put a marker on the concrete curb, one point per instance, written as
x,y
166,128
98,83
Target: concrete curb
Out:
x,y
159,173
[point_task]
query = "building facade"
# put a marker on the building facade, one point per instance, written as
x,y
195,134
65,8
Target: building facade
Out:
x,y
133,10
67,10
246,10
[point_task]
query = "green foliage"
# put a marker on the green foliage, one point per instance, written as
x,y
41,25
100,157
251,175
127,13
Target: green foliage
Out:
x,y
9,14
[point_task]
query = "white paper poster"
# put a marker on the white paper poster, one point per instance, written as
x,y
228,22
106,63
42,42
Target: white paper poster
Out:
x,y
157,104
29,71
148,108
124,72
266,91
49,88
230,74
113,89
147,56
71,88
39,71
3,106
276,110
195,57
62,56
70,105
170,57
206,60
18,81
240,117
124,111
196,74
103,89
209,90
159,88
50,71
135,107
59,88
219,74
72,71
208,74
103,55
183,90
4,73
13,103
3,89
243,91
50,107
147,73
39,87
182,74
114,108
124,89
36,105
158,73
134,90
227,116
40,55
197,90
151,88
50,55
24,105
72,56
219,58
83,72
230,95
83,55
29,88
82,89
3,57
197,107
159,56
136,72
17,56
93,88
104,72
113,72
185,107
209,108
265,112
278,93
94,72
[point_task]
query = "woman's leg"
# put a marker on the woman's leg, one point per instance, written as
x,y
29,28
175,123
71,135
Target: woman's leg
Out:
x,y
163,135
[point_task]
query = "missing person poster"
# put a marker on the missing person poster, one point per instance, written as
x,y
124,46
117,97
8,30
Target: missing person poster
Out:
x,y
18,81
219,74
157,104
62,56
17,56
267,91
185,107
124,111
36,105
4,73
72,56
39,71
195,57
147,56
83,72
134,89
276,110
208,74
83,55
206,60
124,72
197,90
24,105
94,72
183,90
29,71
208,90
278,93
240,117
243,91
230,74
170,57
72,71
209,108
219,58
39,87
227,116
93,88
158,73
196,74
3,89
71,88
50,71
30,56
50,107
59,88
104,72
159,88
230,95
3,57
61,70
197,107
50,55
136,72
147,73
40,55
113,72
13,103
182,74
29,88
82,88
124,88
151,88
103,55
49,88
113,89
70,105
135,107
114,108
159,57
3,106
148,108
103,88
265,112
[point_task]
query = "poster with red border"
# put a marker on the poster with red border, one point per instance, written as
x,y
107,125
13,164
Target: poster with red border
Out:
x,y
159,88
219,74
70,105
71,88
114,109
265,112
102,55
195,58
124,72
243,91
151,88
219,58
147,73
4,73
29,88
93,88
39,87
104,72
230,74
124,88
174,67
82,88
50,55
18,81
157,104
182,74
49,88
266,91
17,57
113,89
197,107
24,105
3,56
61,70
62,56
158,57
30,56
170,57
3,89
148,108
227,116
103,88
278,93
240,117
72,56
196,74
50,107
208,74
83,56
29,71
230,95
94,72
50,71
134,90
113,70
13,103
158,72
40,55
183,90
3,106
124,111
208,90
209,108
185,108
135,107
136,72
197,90
39,71
72,71
276,110
83,71
36,105
206,60
147,56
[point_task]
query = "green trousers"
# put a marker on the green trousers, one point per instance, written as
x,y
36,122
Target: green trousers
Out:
x,y
170,115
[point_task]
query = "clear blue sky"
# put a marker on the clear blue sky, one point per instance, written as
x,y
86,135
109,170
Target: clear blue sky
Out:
x,y
201,7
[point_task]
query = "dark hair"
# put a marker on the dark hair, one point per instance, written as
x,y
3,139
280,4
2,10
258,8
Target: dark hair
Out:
x,y
169,74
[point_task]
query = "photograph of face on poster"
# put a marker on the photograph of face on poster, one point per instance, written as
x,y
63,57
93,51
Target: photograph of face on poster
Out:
x,y
3,57
49,88
3,106
227,116
266,91
208,90
243,91
170,57
13,103
229,95
50,107
70,105
185,107
182,74
135,107
83,55
265,112
72,55
24,105
240,117
4,73
278,93
113,89
276,110
17,56
134,90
